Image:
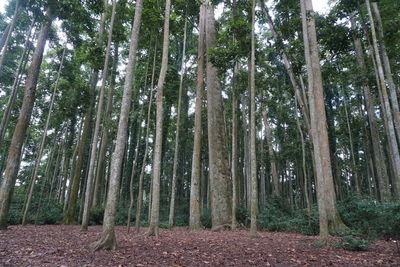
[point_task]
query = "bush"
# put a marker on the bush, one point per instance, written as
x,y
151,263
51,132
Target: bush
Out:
x,y
205,218
49,214
352,243
96,216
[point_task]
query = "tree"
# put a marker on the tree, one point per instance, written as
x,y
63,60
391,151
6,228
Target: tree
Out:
x,y
107,239
155,199
219,173
14,153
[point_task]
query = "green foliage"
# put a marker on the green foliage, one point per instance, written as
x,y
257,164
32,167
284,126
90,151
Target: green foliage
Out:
x,y
96,216
352,243
50,214
205,218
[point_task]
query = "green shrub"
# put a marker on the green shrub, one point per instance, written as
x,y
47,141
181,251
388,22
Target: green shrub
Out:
x,y
96,216
243,216
205,218
352,243
49,214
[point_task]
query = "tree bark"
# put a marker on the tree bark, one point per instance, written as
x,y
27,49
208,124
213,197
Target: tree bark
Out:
x,y
155,199
274,171
194,216
14,154
253,158
219,173
330,220
107,239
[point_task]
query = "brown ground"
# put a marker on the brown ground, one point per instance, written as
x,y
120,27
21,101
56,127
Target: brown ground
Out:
x,y
59,245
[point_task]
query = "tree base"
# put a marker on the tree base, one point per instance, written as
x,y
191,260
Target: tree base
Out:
x,y
222,227
106,242
254,234
153,231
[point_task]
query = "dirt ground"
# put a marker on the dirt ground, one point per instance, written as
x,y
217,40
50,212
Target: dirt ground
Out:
x,y
60,245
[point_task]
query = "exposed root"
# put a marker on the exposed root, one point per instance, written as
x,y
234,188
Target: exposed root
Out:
x,y
106,242
222,227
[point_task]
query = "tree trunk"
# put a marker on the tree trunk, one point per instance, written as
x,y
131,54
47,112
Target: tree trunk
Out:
x,y
155,199
92,161
330,220
377,150
253,158
14,154
388,71
219,173
387,108
101,164
107,239
146,149
11,101
7,35
42,143
194,216
274,171
178,124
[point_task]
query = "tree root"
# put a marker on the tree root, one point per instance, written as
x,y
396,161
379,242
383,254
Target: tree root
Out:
x,y
222,227
106,242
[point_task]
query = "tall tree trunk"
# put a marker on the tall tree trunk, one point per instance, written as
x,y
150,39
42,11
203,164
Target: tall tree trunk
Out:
x,y
194,213
387,108
388,71
219,173
101,164
14,154
274,171
8,33
42,143
178,124
107,239
377,150
92,161
146,149
253,158
11,101
155,199
330,220
234,157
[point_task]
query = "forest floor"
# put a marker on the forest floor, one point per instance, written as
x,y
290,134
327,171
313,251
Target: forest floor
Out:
x,y
60,245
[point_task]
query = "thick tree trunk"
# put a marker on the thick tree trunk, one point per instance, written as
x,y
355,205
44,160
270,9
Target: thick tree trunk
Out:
x,y
194,214
330,220
178,124
42,143
387,108
155,199
11,101
93,151
253,158
107,239
14,154
219,173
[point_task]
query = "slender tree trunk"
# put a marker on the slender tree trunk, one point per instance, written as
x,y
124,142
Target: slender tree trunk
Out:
x,y
101,164
155,199
329,217
42,143
274,170
219,173
194,216
7,35
178,126
92,161
11,101
107,239
387,108
253,158
353,160
146,149
14,154
234,158
377,150
388,71
133,172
